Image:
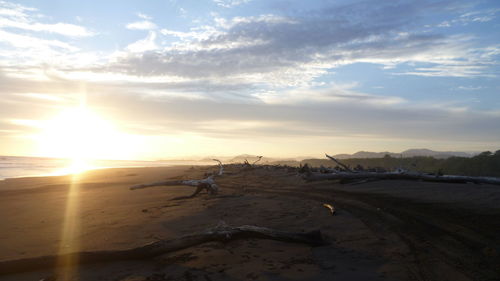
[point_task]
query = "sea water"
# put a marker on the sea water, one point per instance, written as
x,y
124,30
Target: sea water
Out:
x,y
18,166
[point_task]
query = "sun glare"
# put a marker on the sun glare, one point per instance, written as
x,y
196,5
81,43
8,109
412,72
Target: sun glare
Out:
x,y
76,166
81,135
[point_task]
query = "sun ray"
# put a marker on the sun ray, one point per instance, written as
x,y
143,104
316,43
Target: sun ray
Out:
x,y
70,242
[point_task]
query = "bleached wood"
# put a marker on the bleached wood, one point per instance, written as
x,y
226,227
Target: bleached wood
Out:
x,y
402,176
207,183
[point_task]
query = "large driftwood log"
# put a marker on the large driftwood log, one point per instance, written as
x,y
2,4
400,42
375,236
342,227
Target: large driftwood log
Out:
x,y
339,163
401,176
222,233
207,183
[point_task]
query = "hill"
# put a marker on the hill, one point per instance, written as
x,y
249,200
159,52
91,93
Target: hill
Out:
x,y
407,153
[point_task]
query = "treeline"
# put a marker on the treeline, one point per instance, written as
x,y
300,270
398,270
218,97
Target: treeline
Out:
x,y
483,164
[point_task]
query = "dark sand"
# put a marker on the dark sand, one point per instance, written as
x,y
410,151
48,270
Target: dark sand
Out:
x,y
384,230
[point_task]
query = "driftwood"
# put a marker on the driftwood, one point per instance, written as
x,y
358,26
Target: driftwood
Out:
x,y
339,163
222,233
207,183
401,176
258,159
247,164
330,208
221,167
361,176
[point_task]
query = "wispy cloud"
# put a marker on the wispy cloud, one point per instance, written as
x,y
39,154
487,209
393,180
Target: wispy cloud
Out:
x,y
59,28
144,24
230,3
144,16
15,16
336,93
470,88
143,45
468,17
24,41
141,25
284,51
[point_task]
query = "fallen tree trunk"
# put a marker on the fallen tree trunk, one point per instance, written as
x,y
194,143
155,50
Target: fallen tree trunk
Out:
x,y
401,176
207,183
221,233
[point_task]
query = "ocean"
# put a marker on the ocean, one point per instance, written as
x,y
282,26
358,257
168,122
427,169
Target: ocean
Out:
x,y
18,166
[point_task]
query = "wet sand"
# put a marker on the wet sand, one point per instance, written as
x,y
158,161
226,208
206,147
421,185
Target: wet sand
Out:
x,y
384,230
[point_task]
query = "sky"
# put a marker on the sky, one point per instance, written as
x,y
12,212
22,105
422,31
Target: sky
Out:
x,y
162,79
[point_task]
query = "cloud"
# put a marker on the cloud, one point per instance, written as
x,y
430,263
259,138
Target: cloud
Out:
x,y
143,45
294,50
30,42
65,29
345,117
144,16
157,109
477,16
141,25
16,16
29,47
230,3
336,93
41,96
145,24
470,88
273,52
470,17
14,10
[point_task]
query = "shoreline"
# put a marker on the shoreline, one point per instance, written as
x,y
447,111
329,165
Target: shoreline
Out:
x,y
64,172
20,166
56,174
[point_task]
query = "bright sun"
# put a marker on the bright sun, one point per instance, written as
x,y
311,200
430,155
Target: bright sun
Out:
x,y
80,134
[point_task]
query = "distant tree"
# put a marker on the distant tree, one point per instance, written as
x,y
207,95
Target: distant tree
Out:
x,y
485,154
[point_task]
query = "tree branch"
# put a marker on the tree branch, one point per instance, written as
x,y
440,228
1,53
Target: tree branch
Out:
x,y
221,167
339,163
259,157
222,233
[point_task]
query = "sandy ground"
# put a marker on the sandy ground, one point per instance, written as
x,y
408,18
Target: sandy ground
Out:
x,y
384,230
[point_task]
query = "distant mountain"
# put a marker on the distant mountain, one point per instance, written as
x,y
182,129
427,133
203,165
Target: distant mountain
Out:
x,y
406,154
252,158
358,155
435,154
365,154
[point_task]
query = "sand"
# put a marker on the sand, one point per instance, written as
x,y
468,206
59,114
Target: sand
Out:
x,y
384,230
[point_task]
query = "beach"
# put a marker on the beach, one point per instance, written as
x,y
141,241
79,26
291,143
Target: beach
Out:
x,y
383,230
